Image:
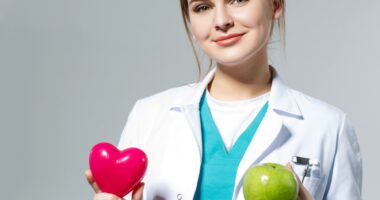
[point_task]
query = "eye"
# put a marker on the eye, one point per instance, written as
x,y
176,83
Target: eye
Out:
x,y
238,1
201,8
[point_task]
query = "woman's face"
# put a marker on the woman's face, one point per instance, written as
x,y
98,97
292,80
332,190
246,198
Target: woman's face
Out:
x,y
251,20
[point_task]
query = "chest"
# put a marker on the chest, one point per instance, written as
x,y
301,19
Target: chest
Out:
x,y
175,152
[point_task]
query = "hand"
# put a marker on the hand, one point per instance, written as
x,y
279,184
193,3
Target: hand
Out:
x,y
136,194
303,194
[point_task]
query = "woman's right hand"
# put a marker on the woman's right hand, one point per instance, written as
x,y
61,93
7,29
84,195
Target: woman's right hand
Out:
x,y
136,194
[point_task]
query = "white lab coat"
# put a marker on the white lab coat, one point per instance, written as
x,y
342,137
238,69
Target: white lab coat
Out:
x,y
167,127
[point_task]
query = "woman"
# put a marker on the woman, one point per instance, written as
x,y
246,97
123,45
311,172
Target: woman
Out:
x,y
201,138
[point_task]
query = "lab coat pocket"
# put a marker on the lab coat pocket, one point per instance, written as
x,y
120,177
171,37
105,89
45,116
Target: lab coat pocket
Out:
x,y
312,178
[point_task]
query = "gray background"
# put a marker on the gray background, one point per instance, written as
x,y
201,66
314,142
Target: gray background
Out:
x,y
72,69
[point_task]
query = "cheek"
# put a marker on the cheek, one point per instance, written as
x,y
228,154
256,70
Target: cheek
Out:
x,y
201,27
253,16
251,19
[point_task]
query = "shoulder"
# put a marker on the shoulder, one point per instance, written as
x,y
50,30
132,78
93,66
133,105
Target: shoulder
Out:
x,y
310,103
319,111
166,99
148,112
327,124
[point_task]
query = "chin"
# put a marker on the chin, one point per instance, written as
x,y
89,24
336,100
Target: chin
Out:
x,y
230,62
236,58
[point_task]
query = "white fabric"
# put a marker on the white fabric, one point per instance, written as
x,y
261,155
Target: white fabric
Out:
x,y
238,114
166,126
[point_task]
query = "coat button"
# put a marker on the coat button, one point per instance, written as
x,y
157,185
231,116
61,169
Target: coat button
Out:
x,y
179,196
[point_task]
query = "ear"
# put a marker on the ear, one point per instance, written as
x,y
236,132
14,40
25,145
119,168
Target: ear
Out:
x,y
278,7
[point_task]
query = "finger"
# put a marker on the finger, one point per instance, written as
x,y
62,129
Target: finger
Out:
x,y
137,193
91,181
304,194
105,196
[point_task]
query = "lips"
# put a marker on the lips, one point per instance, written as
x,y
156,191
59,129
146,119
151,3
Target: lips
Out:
x,y
228,36
228,40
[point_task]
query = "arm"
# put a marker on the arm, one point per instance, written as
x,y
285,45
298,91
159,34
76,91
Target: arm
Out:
x,y
136,132
345,178
129,136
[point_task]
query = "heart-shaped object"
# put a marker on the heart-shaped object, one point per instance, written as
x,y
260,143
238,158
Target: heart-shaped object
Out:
x,y
117,172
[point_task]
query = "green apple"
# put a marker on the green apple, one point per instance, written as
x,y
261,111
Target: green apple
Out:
x,y
270,181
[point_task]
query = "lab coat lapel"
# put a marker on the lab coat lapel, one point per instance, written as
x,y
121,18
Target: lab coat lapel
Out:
x,y
272,132
191,113
267,136
190,109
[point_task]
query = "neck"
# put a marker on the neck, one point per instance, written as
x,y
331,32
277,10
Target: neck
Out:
x,y
243,81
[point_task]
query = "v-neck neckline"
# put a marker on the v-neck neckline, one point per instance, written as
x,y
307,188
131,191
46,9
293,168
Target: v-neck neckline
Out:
x,y
253,126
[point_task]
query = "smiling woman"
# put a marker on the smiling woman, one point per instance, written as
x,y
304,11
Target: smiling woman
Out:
x,y
201,138
193,7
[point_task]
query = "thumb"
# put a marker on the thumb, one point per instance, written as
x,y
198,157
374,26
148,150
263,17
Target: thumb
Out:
x,y
137,193
303,193
91,181
289,166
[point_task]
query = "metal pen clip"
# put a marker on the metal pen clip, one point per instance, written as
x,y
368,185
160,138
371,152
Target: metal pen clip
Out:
x,y
304,161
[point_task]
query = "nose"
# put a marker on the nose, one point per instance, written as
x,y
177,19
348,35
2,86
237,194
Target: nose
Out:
x,y
223,20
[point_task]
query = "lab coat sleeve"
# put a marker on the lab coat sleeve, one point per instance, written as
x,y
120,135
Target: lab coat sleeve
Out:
x,y
345,178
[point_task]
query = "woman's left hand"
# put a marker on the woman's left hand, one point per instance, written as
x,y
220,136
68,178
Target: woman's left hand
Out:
x,y
303,194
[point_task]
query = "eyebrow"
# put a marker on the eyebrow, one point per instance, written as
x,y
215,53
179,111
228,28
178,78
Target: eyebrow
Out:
x,y
192,1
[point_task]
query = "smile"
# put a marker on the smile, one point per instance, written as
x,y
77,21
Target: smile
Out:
x,y
228,40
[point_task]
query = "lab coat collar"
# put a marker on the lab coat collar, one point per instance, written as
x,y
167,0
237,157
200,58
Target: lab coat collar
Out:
x,y
282,104
281,99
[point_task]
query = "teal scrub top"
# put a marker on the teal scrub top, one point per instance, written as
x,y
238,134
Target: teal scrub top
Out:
x,y
219,166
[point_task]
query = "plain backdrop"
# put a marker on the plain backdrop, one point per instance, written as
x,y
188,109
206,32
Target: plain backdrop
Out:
x,y
70,71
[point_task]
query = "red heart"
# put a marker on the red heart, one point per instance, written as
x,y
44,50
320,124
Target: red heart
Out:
x,y
117,172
